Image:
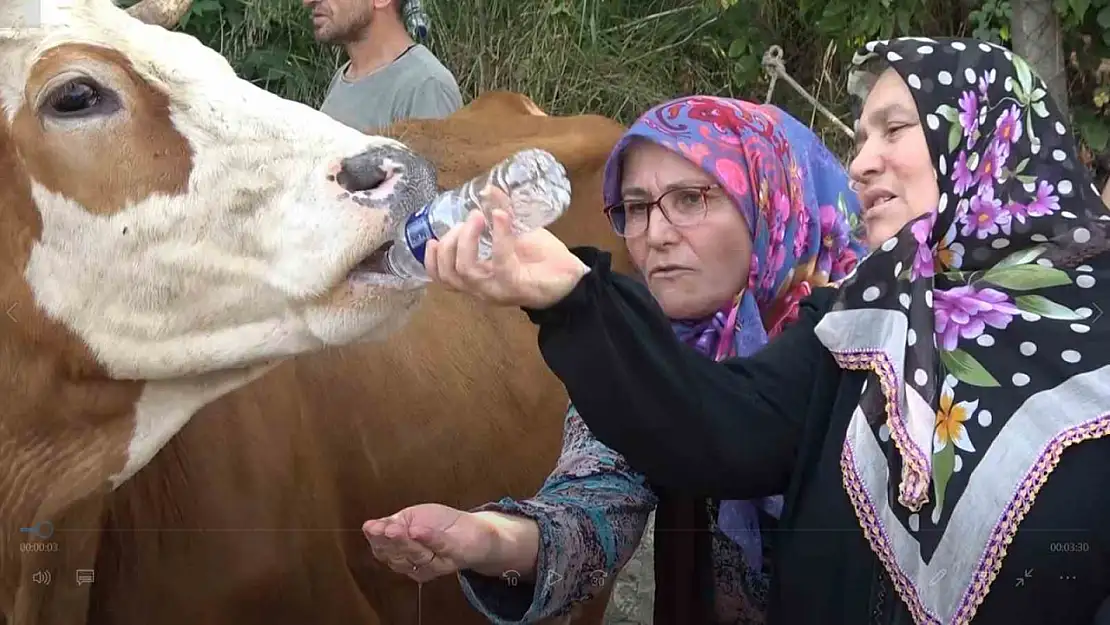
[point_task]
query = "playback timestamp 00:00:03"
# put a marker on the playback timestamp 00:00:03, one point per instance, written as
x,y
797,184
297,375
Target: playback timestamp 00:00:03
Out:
x,y
38,547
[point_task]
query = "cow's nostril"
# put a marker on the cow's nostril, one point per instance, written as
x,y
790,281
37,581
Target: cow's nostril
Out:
x,y
361,179
361,174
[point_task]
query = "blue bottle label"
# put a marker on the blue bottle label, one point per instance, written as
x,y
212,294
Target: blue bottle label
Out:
x,y
418,231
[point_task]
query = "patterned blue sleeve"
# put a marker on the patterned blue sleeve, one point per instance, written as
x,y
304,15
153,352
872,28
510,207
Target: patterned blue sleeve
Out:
x,y
591,512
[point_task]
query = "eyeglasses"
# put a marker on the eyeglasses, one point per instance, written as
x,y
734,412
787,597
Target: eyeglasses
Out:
x,y
681,206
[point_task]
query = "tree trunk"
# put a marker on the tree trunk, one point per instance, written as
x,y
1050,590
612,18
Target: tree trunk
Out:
x,y
1037,38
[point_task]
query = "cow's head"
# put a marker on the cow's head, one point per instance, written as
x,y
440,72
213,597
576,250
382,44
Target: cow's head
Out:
x,y
176,218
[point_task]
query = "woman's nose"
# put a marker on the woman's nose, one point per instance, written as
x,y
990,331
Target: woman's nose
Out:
x,y
867,163
659,228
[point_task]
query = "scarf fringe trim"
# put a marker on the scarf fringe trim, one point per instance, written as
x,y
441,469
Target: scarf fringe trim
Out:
x,y
913,488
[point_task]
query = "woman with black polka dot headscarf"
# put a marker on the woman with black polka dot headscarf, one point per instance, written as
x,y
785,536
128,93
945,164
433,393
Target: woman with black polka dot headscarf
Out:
x,y
939,421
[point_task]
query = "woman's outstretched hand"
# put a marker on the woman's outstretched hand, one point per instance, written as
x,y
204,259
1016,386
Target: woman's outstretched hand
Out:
x,y
532,270
430,540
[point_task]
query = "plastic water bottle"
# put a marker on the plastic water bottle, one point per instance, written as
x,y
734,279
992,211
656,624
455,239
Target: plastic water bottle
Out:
x,y
537,186
416,19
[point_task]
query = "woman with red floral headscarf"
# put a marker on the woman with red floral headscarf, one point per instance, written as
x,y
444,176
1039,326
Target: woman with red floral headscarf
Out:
x,y
732,212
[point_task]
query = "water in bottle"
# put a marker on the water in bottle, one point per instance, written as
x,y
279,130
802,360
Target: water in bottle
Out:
x,y
537,186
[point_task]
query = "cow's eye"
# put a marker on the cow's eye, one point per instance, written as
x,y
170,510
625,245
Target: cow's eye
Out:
x,y
77,97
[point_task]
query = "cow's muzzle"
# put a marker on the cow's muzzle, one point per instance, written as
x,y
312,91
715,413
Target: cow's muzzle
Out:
x,y
388,178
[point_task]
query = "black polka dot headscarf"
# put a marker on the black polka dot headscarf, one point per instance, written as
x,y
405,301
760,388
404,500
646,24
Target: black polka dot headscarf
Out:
x,y
980,326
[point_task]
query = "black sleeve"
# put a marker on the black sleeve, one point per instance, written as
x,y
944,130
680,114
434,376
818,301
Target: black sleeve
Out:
x,y
723,430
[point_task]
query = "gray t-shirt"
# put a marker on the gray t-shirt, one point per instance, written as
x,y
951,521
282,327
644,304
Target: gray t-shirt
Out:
x,y
414,85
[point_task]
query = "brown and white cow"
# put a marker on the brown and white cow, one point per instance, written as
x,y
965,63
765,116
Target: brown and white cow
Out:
x,y
170,237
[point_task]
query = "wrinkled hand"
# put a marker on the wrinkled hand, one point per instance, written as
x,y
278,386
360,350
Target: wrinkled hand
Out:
x,y
429,540
533,270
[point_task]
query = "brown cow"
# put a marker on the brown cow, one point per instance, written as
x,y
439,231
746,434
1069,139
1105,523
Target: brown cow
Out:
x,y
169,238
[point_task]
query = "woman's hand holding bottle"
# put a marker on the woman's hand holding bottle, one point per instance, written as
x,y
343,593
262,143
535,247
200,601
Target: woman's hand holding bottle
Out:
x,y
531,270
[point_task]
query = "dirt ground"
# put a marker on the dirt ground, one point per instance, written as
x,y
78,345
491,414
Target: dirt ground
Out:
x,y
634,590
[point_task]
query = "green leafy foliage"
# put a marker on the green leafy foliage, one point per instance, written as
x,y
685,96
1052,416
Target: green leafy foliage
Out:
x,y
619,57
839,26
818,38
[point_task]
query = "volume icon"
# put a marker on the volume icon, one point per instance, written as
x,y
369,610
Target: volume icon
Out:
x,y
42,577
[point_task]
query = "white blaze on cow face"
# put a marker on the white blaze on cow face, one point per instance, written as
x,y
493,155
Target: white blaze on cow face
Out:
x,y
191,221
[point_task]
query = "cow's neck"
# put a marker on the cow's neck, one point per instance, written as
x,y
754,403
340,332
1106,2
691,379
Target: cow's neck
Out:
x,y
69,435
64,423
164,407
63,428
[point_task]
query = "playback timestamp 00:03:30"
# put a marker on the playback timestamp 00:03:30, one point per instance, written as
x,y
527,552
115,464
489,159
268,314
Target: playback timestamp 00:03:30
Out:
x,y
1069,547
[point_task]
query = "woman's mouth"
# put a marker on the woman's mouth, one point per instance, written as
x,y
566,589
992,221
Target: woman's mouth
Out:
x,y
881,203
668,271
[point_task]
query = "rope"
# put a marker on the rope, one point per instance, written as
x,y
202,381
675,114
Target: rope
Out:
x,y
775,69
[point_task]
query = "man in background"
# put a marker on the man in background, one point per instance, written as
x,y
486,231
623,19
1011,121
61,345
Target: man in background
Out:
x,y
389,76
